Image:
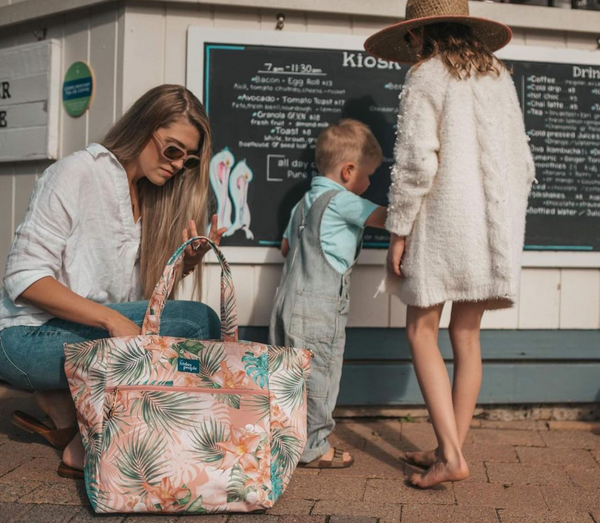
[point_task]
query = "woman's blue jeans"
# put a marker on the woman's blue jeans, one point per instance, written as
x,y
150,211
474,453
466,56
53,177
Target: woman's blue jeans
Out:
x,y
33,358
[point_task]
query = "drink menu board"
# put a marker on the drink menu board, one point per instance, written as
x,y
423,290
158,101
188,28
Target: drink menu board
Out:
x,y
268,103
561,104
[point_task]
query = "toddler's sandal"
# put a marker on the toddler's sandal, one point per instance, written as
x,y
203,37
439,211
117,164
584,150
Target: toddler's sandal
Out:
x,y
64,471
337,462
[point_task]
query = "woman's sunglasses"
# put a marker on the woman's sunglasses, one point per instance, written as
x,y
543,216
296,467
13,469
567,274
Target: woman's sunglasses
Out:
x,y
174,153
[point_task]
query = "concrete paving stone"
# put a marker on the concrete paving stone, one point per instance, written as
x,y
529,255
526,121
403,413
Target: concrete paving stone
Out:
x,y
418,436
306,472
37,469
13,512
373,462
525,424
521,438
87,515
498,496
596,455
587,478
390,491
347,441
448,514
250,518
291,506
595,516
527,474
543,516
322,487
184,518
490,453
303,519
155,518
588,426
32,449
9,462
571,439
563,457
53,513
478,472
13,490
347,519
573,498
387,513
72,493
370,428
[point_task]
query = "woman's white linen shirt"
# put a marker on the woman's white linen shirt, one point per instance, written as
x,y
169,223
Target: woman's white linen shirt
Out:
x,y
78,229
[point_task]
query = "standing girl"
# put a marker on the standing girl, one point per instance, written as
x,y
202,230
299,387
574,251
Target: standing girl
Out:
x,y
457,206
101,225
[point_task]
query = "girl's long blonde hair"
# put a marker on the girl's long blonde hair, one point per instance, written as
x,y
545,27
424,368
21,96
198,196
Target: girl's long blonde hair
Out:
x,y
165,210
460,50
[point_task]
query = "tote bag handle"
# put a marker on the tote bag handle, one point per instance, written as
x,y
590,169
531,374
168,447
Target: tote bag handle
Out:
x,y
229,320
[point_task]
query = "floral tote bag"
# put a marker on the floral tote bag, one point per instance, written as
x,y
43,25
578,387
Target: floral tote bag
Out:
x,y
181,425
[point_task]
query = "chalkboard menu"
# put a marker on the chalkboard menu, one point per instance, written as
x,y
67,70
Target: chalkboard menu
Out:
x,y
561,104
268,103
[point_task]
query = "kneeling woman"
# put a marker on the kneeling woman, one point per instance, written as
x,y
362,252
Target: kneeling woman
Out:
x,y
101,225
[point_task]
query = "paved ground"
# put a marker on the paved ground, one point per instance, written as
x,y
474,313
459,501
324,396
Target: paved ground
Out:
x,y
522,472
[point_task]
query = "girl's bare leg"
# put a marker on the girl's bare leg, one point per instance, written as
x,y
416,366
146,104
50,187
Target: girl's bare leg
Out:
x,y
422,329
465,328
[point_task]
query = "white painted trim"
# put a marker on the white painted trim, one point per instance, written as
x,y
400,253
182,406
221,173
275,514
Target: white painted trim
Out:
x,y
530,260
559,55
533,17
54,99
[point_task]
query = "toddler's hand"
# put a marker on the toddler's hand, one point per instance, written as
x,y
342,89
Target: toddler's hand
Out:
x,y
395,254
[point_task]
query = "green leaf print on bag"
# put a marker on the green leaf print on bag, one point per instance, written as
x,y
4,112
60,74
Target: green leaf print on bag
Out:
x,y
129,365
82,355
258,403
205,442
257,367
286,448
210,363
191,346
290,388
141,462
167,410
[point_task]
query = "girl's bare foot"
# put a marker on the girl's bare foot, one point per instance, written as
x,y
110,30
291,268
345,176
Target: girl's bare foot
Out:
x,y
441,471
422,458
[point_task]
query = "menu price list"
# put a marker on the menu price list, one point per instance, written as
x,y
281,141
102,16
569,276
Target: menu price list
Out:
x,y
268,105
561,104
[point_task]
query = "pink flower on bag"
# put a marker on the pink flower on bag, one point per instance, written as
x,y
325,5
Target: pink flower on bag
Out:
x,y
159,347
165,494
278,417
259,476
230,380
240,448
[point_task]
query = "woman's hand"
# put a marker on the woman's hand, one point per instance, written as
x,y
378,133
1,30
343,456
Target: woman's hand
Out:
x,y
395,254
118,325
196,250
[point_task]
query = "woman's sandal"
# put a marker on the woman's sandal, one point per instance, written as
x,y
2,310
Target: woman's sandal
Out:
x,y
64,471
58,438
337,462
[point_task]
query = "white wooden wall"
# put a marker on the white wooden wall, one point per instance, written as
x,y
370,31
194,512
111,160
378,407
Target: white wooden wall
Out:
x,y
136,47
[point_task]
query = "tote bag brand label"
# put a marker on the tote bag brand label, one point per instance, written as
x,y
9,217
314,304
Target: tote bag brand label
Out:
x,y
184,365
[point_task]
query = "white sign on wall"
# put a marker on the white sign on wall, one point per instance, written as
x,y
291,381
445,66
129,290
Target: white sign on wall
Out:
x,y
29,101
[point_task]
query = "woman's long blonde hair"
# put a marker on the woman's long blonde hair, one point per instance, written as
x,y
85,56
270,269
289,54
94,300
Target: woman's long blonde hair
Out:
x,y
461,51
165,210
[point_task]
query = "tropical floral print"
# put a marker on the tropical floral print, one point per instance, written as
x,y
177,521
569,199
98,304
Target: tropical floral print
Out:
x,y
179,425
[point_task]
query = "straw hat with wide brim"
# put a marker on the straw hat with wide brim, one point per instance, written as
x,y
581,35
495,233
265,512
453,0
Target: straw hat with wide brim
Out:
x,y
390,44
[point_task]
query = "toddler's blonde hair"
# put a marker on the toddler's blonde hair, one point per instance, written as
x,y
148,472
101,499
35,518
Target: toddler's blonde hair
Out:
x,y
346,141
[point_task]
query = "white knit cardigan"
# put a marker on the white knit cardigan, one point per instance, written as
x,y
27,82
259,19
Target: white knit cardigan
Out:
x,y
459,190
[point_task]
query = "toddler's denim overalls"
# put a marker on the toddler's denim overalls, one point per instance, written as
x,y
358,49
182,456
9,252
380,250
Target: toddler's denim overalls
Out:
x,y
311,311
